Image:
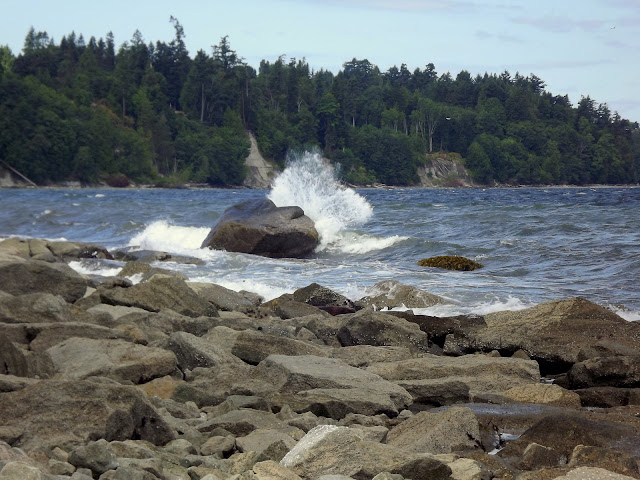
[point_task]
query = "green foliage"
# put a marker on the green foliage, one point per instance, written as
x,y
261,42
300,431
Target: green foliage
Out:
x,y
149,112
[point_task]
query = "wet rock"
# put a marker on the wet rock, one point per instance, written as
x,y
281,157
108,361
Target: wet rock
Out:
x,y
606,397
285,307
260,228
18,278
447,431
80,358
615,371
67,250
320,296
329,387
144,271
74,413
392,294
450,262
379,329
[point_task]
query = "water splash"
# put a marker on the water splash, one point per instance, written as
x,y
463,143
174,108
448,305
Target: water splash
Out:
x,y
310,183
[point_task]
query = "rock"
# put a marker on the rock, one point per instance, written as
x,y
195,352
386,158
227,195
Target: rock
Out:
x,y
285,307
97,456
553,333
80,358
330,450
451,430
537,456
67,250
269,444
144,271
379,329
218,445
613,460
364,355
392,294
468,469
254,346
160,293
260,228
437,392
73,413
40,308
329,387
320,296
546,394
606,397
592,473
18,278
134,254
616,371
12,383
563,433
221,297
243,421
450,262
270,470
20,471
480,373
23,363
192,352
49,334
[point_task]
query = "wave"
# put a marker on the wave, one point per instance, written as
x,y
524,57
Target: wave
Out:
x,y
164,237
310,182
480,308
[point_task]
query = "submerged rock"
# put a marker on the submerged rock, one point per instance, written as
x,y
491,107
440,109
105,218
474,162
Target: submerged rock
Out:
x,y
260,228
450,262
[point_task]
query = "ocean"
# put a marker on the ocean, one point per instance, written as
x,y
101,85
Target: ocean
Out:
x,y
536,244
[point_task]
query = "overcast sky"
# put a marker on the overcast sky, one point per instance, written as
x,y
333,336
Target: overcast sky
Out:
x,y
578,47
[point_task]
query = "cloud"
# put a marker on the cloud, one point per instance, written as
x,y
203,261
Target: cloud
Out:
x,y
403,5
484,35
556,24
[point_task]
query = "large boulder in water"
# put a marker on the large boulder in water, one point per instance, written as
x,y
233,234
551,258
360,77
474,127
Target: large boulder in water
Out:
x,y
261,228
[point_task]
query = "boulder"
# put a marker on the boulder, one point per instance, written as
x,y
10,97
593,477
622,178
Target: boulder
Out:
x,y
331,450
80,358
19,362
47,335
286,307
592,473
606,397
20,471
192,352
617,371
144,271
543,393
555,333
68,250
160,293
365,355
450,262
269,444
243,421
270,470
613,460
563,433
97,456
221,297
260,228
392,294
451,430
479,372
18,278
320,296
67,414
379,329
329,387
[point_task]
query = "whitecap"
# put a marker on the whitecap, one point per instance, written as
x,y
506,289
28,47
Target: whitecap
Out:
x,y
162,236
87,268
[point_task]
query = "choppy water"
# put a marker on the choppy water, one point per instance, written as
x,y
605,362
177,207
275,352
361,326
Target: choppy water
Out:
x,y
536,244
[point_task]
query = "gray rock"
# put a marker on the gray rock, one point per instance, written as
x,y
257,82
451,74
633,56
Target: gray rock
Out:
x,y
20,471
379,329
436,391
451,430
67,250
18,278
223,298
160,293
243,421
330,450
145,271
391,294
615,371
73,413
97,456
329,387
269,444
218,445
320,296
79,358
12,383
49,334
192,352
260,228
21,362
479,372
285,307
613,460
365,355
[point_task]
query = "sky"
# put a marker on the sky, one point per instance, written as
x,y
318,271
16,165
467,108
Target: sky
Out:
x,y
577,47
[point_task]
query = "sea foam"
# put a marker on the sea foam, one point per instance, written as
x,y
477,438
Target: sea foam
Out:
x,y
310,182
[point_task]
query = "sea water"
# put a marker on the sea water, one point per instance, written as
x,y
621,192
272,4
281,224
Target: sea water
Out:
x,y
536,244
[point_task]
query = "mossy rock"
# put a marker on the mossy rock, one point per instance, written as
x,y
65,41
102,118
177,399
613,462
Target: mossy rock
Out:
x,y
450,262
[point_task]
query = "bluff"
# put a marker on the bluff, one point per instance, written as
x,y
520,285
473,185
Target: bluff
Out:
x,y
444,170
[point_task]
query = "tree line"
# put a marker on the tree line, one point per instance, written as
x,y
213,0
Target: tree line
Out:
x,y
86,111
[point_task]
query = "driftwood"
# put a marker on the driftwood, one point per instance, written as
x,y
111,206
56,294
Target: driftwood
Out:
x,y
17,173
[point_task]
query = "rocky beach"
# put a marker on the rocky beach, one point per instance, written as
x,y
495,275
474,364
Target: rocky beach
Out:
x,y
173,379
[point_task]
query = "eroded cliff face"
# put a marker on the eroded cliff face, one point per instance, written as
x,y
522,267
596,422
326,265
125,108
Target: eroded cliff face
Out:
x,y
441,170
260,173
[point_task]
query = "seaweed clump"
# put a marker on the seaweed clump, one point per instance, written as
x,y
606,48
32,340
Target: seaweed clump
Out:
x,y
450,262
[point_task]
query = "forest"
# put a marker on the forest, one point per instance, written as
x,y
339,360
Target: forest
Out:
x,y
84,110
